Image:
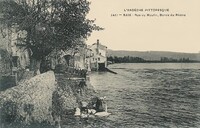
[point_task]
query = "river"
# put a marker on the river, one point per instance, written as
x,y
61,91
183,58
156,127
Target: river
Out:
x,y
149,95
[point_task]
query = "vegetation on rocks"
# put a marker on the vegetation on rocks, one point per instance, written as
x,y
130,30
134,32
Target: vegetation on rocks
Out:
x,y
29,102
42,101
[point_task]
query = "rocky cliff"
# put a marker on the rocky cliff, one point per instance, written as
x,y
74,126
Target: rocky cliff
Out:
x,y
30,101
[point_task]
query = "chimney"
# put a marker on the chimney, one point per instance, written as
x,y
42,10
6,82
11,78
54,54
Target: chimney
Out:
x,y
97,46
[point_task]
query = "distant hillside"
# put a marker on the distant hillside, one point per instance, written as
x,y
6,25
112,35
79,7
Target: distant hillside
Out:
x,y
154,55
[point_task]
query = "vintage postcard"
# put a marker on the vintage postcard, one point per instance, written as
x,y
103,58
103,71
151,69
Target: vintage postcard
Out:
x,y
99,64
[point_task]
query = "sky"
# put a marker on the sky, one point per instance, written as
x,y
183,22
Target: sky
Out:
x,y
156,33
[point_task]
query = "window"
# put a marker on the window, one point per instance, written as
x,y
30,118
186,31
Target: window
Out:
x,y
98,59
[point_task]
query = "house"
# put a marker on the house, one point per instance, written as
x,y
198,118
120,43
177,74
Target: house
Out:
x,y
20,55
79,59
10,42
13,58
76,57
97,56
71,58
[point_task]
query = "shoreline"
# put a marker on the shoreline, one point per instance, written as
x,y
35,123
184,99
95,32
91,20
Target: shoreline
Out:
x,y
153,62
65,99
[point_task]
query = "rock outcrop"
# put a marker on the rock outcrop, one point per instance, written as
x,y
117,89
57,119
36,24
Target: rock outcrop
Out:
x,y
30,101
66,97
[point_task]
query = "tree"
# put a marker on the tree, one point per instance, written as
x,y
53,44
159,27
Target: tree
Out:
x,y
48,24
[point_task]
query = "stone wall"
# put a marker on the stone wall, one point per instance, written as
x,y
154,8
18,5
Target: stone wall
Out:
x,y
30,101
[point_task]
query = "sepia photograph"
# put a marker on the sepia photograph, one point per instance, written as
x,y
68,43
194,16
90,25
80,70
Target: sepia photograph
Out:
x,y
99,64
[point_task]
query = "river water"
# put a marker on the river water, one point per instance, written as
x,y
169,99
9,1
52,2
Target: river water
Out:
x,y
149,95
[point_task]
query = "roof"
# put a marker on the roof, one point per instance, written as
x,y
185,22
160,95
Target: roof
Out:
x,y
100,45
101,56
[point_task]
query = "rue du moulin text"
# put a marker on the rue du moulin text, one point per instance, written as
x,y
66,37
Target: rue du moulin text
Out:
x,y
149,15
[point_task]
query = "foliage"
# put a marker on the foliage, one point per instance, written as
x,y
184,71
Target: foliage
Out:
x,y
130,59
125,59
166,59
48,24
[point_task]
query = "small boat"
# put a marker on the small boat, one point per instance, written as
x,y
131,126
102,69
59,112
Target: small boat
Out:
x,y
102,114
